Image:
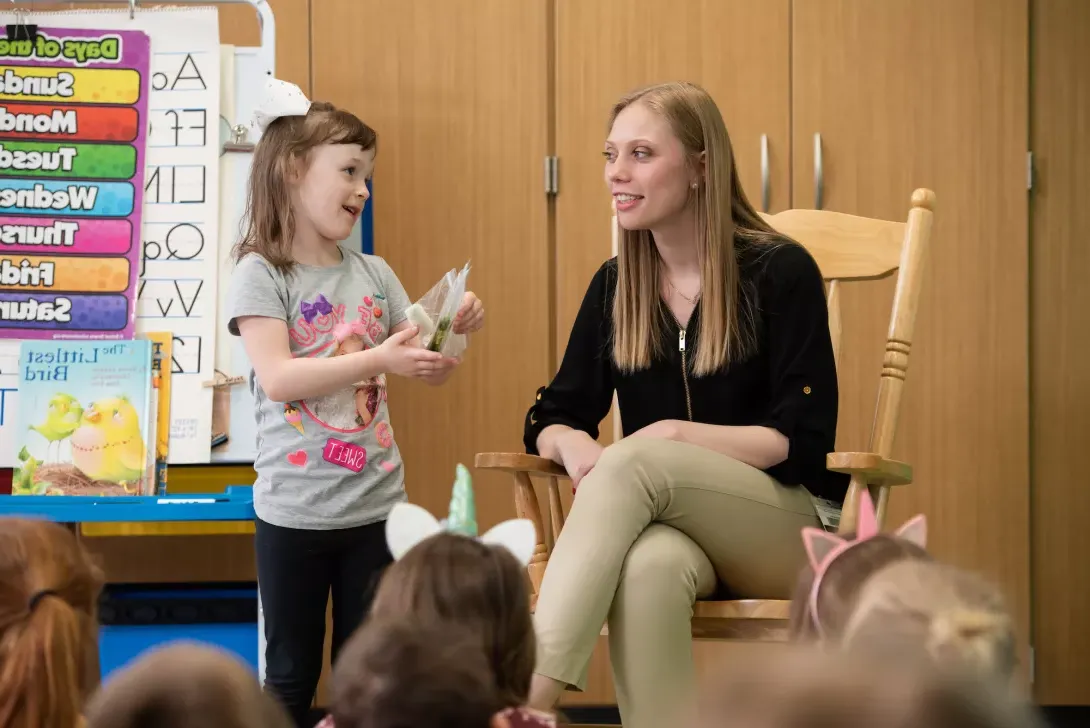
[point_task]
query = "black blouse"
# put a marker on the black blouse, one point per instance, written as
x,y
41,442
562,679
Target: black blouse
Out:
x,y
788,383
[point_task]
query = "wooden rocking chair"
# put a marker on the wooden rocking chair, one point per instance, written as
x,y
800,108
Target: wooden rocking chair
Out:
x,y
846,248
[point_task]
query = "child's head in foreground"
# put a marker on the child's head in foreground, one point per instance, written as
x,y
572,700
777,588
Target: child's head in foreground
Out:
x,y
798,687
49,589
397,673
937,612
185,685
443,577
308,175
839,564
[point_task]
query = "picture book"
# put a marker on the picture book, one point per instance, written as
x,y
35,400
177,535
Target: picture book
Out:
x,y
86,423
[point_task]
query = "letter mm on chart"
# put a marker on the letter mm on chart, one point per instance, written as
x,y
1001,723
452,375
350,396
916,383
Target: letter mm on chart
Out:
x,y
73,131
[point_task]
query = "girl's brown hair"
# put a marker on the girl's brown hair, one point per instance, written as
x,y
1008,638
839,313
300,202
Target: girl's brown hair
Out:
x,y
937,611
49,589
841,583
185,685
479,589
269,221
728,225
402,674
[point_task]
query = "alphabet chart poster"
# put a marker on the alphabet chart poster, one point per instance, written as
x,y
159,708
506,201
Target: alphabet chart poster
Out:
x,y
73,118
177,289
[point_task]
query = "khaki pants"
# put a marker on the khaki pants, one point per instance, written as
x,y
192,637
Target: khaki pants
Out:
x,y
653,527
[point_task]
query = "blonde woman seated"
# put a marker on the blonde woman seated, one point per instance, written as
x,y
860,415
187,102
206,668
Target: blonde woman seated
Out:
x,y
713,331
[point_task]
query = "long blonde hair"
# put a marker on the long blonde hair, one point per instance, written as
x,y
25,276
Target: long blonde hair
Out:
x,y
49,588
728,313
945,614
268,225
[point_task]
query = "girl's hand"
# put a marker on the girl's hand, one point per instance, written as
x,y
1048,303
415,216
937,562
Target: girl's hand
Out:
x,y
398,356
470,316
441,374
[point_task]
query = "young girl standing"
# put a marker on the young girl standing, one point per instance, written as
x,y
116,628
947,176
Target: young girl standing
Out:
x,y
320,323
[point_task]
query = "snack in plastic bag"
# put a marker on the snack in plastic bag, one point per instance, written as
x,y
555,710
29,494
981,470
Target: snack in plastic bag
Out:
x,y
434,314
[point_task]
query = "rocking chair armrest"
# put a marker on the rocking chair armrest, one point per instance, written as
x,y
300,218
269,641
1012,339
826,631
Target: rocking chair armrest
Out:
x,y
522,467
873,468
511,462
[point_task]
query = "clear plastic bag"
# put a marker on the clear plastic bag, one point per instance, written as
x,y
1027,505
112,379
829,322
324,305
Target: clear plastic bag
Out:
x,y
434,314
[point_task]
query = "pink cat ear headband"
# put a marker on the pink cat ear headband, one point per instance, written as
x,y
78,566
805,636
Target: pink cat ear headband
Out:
x,y
822,547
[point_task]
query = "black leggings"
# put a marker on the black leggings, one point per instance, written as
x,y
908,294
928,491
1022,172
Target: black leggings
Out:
x,y
296,569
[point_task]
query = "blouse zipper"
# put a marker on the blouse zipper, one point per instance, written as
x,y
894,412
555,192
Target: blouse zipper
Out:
x,y
684,370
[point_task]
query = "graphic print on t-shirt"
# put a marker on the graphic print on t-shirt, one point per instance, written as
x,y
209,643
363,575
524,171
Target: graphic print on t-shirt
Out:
x,y
352,409
294,416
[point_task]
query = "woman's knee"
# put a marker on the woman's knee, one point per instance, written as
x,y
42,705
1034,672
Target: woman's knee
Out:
x,y
625,464
664,565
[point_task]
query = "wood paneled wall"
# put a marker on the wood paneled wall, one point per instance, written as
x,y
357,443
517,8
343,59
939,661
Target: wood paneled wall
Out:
x,y
1060,348
888,88
460,103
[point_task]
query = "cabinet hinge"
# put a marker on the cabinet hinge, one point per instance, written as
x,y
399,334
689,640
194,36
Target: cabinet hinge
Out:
x,y
552,177
1029,170
1032,665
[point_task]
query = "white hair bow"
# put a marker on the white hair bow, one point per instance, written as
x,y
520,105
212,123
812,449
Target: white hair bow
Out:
x,y
279,98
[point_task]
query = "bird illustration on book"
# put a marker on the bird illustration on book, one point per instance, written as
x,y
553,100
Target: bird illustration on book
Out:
x,y
62,417
409,524
108,445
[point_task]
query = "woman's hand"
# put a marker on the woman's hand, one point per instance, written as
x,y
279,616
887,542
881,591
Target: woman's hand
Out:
x,y
579,454
662,430
470,316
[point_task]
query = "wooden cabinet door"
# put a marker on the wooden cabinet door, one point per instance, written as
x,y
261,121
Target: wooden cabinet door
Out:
x,y
736,49
1061,348
458,95
933,93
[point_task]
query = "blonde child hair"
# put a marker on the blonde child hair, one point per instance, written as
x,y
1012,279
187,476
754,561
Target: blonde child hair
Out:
x,y
49,589
811,687
938,612
185,685
839,564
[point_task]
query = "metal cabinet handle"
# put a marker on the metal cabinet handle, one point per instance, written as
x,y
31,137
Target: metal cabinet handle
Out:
x,y
766,178
819,174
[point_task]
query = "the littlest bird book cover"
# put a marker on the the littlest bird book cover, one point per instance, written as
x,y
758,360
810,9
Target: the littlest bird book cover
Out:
x,y
86,419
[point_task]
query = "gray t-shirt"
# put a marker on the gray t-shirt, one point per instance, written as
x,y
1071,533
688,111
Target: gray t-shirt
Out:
x,y
325,462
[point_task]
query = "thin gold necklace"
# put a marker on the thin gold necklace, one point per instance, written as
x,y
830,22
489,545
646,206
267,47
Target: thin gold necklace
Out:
x,y
692,300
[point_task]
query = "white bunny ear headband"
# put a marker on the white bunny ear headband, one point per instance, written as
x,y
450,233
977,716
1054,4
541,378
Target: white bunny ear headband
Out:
x,y
408,524
279,98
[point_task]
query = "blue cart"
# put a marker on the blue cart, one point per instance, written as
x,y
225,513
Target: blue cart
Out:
x,y
137,617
